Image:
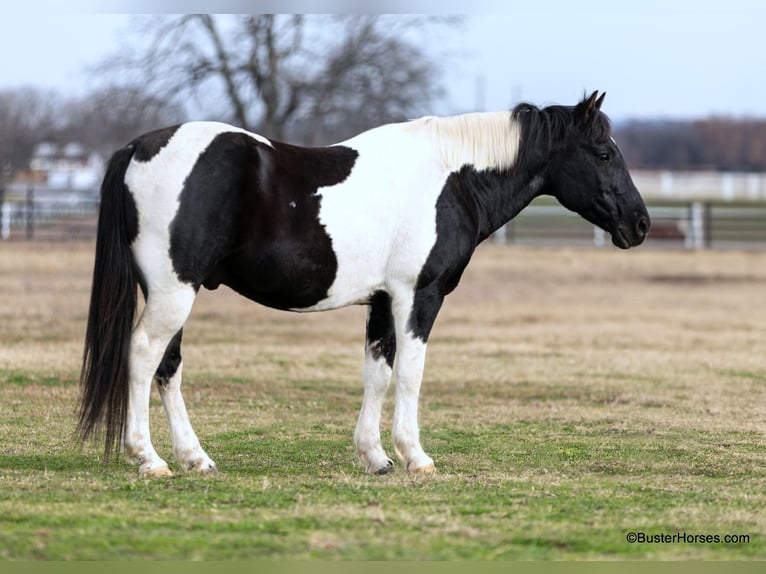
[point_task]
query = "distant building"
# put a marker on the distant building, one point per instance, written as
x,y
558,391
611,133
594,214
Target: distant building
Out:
x,y
69,166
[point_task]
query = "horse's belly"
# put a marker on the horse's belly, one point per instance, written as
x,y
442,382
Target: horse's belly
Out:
x,y
359,274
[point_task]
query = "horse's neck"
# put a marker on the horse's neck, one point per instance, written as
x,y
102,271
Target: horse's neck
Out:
x,y
499,196
481,150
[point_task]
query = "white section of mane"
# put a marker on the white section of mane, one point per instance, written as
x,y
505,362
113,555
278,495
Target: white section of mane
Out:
x,y
485,140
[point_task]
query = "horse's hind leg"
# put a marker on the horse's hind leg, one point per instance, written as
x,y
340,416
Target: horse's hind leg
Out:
x,y
165,313
186,447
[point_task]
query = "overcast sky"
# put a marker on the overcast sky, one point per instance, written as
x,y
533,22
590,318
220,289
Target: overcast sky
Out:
x,y
653,58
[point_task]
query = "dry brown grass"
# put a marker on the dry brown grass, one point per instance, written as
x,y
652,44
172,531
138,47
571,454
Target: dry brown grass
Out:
x,y
677,338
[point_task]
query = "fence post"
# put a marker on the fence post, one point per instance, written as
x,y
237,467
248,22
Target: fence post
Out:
x,y
499,235
30,212
697,225
599,236
5,216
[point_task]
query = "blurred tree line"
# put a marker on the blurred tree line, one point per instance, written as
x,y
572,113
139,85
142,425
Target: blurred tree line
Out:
x,y
723,144
306,79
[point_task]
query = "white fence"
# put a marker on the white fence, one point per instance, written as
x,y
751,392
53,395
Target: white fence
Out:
x,y
675,224
700,185
692,210
29,210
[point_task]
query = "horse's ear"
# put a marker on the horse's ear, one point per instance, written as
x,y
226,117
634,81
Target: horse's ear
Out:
x,y
600,101
588,109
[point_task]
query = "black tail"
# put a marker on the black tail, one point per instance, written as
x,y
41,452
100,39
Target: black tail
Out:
x,y
104,378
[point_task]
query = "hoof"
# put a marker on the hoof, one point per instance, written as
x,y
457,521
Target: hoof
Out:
x,y
387,469
427,469
205,468
159,472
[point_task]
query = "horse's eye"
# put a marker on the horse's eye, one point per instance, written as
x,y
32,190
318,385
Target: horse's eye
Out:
x,y
603,156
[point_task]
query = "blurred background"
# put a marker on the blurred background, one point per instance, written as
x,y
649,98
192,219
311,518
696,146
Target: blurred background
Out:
x,y
685,93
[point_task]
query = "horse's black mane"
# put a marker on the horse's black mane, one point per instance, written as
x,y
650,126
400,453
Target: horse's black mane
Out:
x,y
543,128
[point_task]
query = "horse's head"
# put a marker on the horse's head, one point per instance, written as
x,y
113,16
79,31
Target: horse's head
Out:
x,y
587,174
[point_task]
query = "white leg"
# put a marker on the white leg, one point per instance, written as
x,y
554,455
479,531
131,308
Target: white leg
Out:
x,y
377,376
164,314
186,446
408,372
410,361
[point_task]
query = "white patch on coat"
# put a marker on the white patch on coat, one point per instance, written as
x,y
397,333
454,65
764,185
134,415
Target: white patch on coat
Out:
x,y
382,218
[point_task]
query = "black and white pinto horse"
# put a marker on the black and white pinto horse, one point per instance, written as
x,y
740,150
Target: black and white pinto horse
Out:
x,y
387,219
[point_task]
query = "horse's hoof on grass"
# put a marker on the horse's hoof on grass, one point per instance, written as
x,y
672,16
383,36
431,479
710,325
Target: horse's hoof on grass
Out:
x,y
204,469
159,472
428,469
387,469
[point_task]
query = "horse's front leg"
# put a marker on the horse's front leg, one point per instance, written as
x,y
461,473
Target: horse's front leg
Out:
x,y
379,352
414,317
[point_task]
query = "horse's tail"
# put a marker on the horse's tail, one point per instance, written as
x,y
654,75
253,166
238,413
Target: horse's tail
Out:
x,y
104,378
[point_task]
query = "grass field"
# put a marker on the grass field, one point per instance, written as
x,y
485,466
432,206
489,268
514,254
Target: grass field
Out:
x,y
571,397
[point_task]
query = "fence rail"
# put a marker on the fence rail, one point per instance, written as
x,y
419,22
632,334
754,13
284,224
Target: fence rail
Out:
x,y
675,224
46,215
695,224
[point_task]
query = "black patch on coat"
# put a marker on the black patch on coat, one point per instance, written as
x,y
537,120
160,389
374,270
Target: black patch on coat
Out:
x,y
471,206
381,337
170,360
149,145
249,218
456,239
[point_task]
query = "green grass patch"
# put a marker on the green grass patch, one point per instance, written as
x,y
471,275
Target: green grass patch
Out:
x,y
24,378
524,491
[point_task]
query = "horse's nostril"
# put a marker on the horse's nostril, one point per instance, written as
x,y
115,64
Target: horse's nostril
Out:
x,y
642,226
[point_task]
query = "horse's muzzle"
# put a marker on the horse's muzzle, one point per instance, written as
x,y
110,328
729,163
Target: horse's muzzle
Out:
x,y
632,235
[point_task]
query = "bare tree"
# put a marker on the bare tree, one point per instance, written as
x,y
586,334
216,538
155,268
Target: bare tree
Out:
x,y
103,121
373,76
27,117
313,77
108,118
